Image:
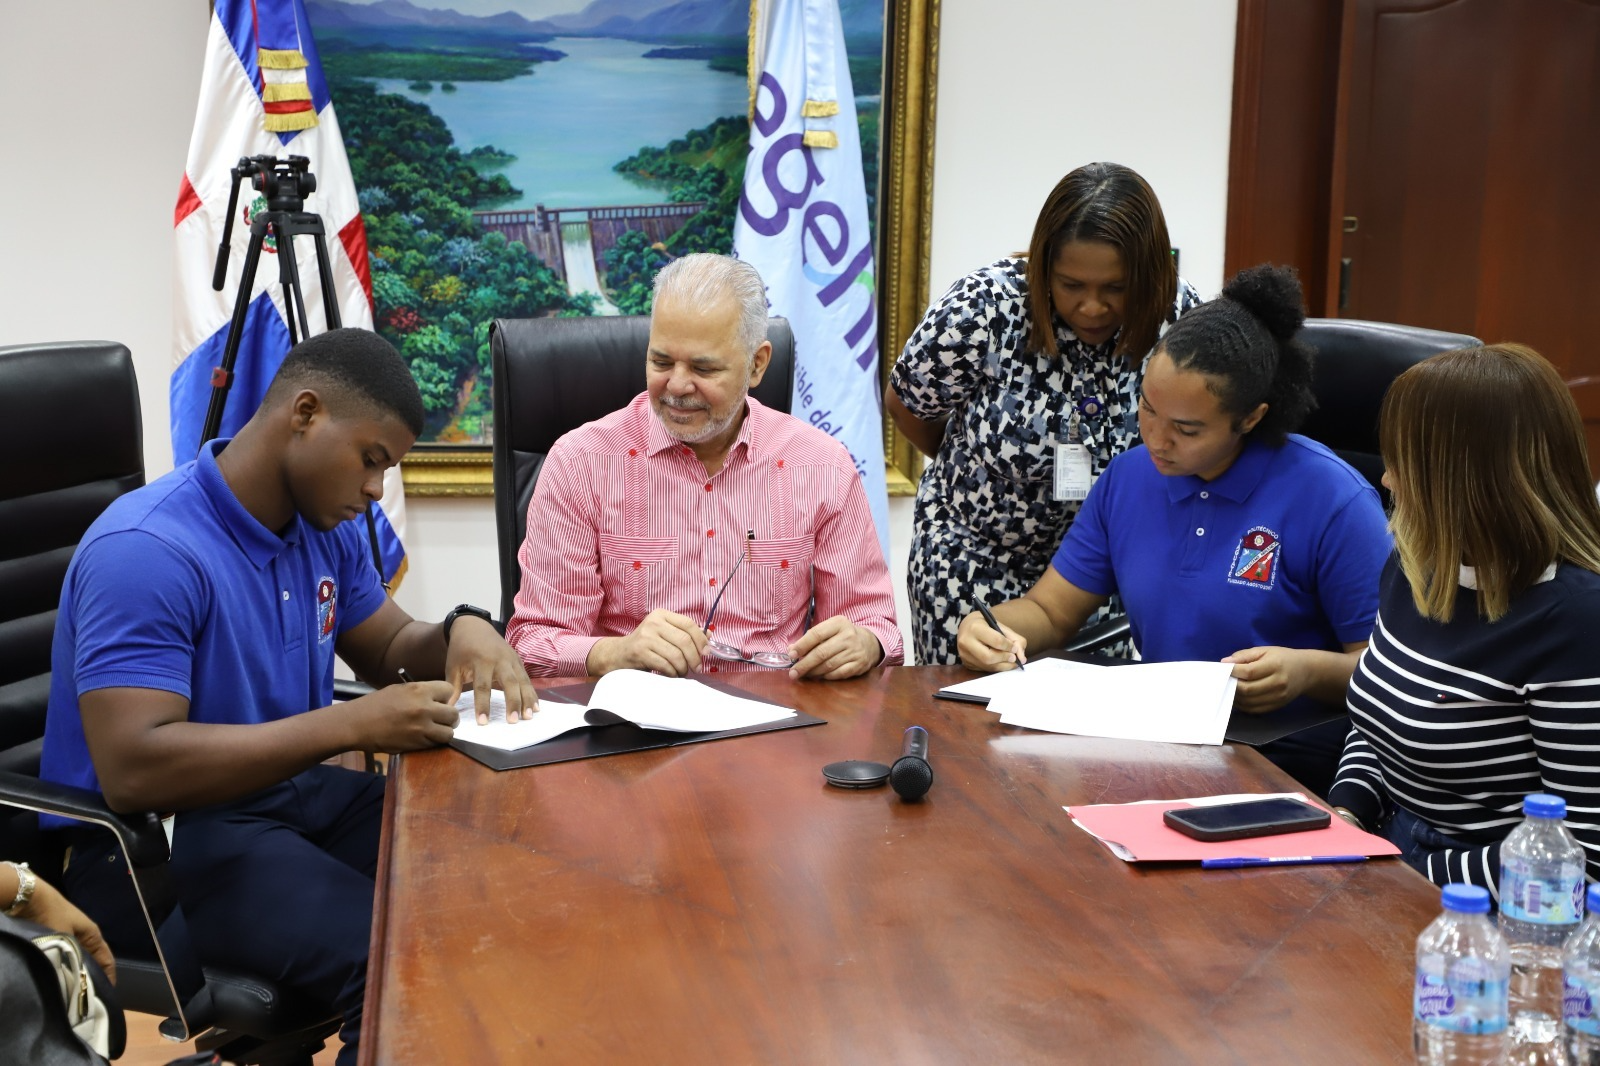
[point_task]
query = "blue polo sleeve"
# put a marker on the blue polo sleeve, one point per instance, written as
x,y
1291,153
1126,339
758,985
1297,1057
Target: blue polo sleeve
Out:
x,y
1084,557
1354,546
138,605
361,587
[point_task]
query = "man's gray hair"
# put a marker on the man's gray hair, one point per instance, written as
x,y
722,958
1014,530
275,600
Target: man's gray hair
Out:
x,y
701,279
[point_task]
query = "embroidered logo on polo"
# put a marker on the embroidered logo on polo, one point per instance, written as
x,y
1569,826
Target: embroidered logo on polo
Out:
x,y
327,601
1255,560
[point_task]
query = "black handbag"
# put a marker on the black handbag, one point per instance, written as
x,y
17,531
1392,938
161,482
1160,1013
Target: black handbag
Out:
x,y
55,1000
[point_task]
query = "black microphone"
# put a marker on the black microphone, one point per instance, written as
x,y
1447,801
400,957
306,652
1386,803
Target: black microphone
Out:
x,y
911,776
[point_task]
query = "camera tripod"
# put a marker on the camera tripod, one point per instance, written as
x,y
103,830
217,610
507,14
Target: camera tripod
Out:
x,y
285,183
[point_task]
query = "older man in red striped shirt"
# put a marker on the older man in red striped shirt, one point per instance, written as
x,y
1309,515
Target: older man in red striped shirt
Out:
x,y
696,529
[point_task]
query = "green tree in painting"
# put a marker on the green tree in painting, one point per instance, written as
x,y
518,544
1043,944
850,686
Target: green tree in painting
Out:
x,y
437,278
703,166
631,264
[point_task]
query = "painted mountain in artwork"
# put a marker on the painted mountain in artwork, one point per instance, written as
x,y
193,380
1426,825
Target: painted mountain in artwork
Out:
x,y
651,20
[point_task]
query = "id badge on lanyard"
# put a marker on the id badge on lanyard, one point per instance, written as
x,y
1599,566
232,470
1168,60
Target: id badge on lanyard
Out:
x,y
1073,471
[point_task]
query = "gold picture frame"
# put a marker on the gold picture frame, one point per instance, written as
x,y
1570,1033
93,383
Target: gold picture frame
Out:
x,y
910,81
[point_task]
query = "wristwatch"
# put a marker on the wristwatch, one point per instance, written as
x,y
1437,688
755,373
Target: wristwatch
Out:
x,y
457,611
26,883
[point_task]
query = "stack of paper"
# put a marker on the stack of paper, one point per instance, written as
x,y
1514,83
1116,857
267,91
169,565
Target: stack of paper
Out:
x,y
1180,703
650,701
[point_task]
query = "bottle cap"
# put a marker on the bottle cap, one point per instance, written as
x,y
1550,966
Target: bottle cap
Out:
x,y
1540,805
1468,899
1594,899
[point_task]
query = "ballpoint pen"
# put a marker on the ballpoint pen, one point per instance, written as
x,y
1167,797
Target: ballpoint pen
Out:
x,y
407,678
1298,860
988,616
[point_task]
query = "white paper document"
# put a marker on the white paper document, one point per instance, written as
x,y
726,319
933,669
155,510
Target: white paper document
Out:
x,y
1038,673
680,704
1178,703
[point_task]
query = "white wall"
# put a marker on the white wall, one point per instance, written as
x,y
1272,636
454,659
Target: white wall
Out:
x,y
102,96
1030,90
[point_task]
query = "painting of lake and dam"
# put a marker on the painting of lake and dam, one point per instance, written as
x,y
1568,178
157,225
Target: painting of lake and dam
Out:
x,y
517,158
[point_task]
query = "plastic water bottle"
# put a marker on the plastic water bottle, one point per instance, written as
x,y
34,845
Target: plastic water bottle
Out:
x,y
1541,904
1463,970
1580,1002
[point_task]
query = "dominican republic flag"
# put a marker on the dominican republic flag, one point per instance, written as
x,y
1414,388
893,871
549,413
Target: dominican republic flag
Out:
x,y
802,222
262,93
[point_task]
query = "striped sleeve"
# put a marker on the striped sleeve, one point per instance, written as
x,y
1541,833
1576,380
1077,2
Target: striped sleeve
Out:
x,y
558,604
1457,722
1564,717
851,581
1358,786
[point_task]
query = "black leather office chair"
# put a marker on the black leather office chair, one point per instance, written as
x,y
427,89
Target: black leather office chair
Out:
x,y
552,375
1356,361
69,420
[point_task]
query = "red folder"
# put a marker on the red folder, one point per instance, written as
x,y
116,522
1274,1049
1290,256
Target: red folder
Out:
x,y
1135,833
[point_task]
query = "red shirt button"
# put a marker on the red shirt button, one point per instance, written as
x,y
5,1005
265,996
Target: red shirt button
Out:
x,y
711,532
633,451
713,582
780,462
637,565
712,628
708,486
713,669
784,564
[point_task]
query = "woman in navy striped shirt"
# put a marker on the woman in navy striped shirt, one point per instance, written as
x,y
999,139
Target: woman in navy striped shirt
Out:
x,y
1482,680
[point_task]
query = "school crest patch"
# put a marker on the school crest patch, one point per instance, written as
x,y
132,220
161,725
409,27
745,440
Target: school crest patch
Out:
x,y
327,614
1255,560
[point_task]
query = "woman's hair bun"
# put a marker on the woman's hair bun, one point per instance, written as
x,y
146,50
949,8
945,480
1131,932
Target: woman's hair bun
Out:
x,y
1272,294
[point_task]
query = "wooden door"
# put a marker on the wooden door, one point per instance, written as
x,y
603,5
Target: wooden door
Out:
x,y
1466,174
1280,153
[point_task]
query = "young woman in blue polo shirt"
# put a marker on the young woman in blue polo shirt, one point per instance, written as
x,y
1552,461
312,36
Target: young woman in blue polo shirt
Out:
x,y
1482,684
1227,536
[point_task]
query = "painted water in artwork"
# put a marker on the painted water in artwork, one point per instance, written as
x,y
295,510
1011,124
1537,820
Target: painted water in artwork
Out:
x,y
517,158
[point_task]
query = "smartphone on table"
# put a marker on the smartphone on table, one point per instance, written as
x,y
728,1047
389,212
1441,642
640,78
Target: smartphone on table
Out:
x,y
1250,818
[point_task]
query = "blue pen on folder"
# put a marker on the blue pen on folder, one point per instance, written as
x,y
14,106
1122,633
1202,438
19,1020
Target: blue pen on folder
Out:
x,y
1298,860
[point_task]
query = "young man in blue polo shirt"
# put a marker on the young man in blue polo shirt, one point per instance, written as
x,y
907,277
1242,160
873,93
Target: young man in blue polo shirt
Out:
x,y
1227,537
192,672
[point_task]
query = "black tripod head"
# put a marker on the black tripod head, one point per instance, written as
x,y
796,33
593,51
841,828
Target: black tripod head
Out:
x,y
284,182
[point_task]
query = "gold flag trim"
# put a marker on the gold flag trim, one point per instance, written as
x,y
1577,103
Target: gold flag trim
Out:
x,y
293,120
281,58
274,93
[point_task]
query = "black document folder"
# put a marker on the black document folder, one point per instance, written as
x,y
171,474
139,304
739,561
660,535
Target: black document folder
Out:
x,y
614,739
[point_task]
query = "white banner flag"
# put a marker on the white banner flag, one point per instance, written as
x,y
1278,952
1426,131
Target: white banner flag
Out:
x,y
803,224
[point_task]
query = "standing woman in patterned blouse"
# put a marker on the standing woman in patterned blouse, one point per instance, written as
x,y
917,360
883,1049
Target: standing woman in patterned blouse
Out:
x,y
1020,384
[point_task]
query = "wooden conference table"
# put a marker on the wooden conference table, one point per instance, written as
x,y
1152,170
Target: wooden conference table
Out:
x,y
718,903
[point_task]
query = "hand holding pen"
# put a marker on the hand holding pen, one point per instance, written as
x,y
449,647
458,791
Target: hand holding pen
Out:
x,y
405,717
1016,646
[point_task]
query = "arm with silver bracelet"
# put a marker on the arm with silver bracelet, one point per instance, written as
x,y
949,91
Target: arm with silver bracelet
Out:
x,y
26,884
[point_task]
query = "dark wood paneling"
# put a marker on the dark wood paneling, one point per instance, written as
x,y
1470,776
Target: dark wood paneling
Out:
x,y
718,902
1280,161
1470,145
